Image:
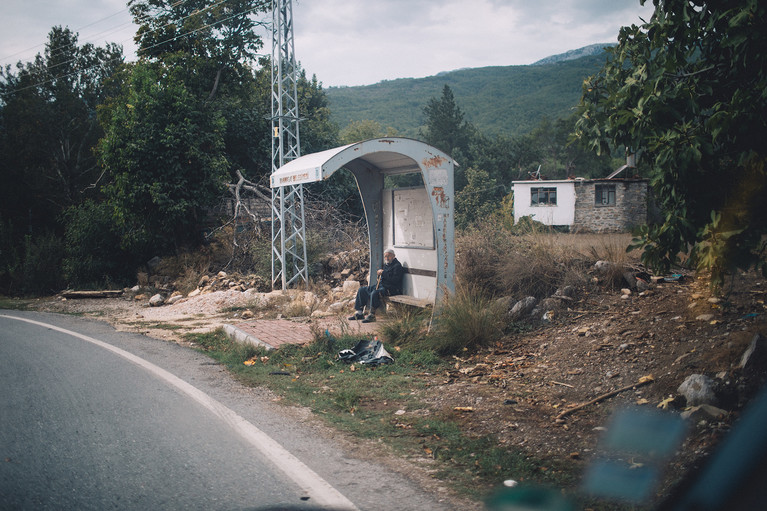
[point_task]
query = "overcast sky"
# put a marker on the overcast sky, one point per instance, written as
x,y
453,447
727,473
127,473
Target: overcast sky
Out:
x,y
359,42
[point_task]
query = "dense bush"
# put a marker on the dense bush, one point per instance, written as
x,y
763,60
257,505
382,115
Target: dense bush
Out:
x,y
42,265
93,257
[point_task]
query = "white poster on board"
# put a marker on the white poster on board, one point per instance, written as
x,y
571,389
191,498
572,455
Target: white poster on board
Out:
x,y
412,218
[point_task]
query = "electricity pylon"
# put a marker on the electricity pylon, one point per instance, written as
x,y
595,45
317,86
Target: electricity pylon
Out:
x,y
288,232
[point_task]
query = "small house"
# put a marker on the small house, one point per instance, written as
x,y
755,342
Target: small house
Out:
x,y
584,205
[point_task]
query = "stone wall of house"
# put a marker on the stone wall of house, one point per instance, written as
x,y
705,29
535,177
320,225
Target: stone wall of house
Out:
x,y
629,211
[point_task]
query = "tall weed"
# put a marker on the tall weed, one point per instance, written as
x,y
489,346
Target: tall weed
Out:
x,y
467,320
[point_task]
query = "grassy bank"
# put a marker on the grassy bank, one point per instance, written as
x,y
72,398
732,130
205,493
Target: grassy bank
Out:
x,y
383,404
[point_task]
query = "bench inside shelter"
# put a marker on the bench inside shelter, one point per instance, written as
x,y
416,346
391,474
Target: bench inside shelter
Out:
x,y
407,297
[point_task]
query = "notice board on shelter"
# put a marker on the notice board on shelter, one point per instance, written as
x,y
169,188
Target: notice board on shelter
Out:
x,y
412,220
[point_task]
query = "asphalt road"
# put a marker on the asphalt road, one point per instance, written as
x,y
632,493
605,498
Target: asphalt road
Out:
x,y
91,418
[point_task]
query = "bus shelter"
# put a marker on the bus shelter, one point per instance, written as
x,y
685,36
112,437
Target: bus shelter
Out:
x,y
416,221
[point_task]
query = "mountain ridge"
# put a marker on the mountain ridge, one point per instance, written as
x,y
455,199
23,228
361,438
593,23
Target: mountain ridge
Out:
x,y
497,100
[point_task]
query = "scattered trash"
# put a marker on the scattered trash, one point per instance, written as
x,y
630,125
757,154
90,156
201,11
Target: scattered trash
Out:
x,y
367,352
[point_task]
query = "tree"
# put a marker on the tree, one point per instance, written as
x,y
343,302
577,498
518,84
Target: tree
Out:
x,y
366,129
686,91
163,152
477,200
49,129
207,38
446,128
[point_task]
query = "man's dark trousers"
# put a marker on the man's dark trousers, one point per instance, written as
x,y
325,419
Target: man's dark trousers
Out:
x,y
369,296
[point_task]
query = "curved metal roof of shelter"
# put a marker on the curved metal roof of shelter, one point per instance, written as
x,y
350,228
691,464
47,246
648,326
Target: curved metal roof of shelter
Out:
x,y
370,161
392,155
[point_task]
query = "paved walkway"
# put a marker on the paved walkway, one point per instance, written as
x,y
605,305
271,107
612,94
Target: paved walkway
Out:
x,y
273,333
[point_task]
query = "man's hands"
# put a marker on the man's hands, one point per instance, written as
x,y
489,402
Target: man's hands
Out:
x,y
380,272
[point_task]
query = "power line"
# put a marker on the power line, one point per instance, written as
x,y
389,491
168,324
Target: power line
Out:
x,y
7,57
81,70
64,49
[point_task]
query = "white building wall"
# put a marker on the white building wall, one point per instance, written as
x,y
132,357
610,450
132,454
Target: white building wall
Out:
x,y
561,214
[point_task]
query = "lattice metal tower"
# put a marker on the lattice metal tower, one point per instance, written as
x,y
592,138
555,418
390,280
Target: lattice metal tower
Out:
x,y
288,232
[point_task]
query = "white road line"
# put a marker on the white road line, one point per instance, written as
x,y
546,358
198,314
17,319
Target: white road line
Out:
x,y
320,491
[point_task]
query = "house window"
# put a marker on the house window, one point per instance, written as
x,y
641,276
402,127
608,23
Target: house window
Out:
x,y
543,196
604,195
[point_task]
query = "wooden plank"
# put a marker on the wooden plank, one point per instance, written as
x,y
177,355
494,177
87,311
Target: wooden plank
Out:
x,y
410,300
417,271
91,294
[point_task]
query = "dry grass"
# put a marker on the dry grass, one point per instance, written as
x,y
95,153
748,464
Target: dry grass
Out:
x,y
535,263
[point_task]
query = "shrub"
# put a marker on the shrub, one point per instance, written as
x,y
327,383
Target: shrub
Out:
x,y
467,320
479,254
92,248
42,264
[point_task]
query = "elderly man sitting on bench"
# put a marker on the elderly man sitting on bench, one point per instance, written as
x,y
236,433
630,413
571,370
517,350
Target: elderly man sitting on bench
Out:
x,y
389,283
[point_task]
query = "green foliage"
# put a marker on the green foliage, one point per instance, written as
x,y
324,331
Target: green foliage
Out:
x,y
499,100
93,256
49,129
365,129
478,200
687,90
42,264
224,33
446,128
11,260
163,152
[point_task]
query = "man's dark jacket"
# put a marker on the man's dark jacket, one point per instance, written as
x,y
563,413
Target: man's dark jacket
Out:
x,y
391,278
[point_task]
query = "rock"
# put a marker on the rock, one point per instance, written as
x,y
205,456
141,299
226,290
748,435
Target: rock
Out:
x,y
705,317
153,263
135,289
221,275
549,304
350,286
630,279
143,279
194,293
522,308
203,281
157,300
642,285
698,389
175,298
139,297
702,412
247,314
603,266
505,303
345,273
337,307
567,291
755,354
626,291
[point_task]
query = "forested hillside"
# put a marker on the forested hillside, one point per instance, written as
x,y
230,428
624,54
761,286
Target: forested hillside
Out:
x,y
508,100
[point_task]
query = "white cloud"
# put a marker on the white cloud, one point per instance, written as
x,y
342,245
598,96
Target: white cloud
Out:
x,y
365,41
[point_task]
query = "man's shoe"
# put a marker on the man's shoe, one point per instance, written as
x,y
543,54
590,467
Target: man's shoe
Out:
x,y
369,319
356,316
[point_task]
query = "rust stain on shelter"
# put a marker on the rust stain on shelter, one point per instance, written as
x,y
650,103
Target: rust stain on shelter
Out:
x,y
439,194
434,161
